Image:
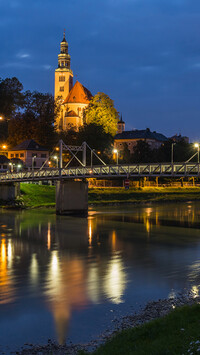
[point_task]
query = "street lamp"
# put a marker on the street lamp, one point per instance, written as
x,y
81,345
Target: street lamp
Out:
x,y
197,146
11,167
172,153
56,158
115,151
33,160
18,167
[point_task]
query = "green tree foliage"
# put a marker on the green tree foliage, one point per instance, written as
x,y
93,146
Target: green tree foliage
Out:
x,y
11,97
101,111
35,121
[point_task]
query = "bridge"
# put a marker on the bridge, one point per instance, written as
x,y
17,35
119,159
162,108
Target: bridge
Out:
x,y
71,186
105,171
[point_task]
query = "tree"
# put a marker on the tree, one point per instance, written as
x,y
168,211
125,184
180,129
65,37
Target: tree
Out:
x,y
11,97
95,136
125,154
101,111
142,153
182,151
35,121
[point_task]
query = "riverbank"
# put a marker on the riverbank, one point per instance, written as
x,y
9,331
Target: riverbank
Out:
x,y
168,326
33,196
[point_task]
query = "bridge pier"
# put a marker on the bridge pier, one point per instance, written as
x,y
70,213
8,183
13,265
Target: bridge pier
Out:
x,y
72,198
9,191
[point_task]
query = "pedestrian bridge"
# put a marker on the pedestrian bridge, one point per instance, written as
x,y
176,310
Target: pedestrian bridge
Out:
x,y
71,182
105,172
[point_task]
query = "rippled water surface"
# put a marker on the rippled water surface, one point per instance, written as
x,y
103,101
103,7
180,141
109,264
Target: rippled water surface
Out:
x,y
67,278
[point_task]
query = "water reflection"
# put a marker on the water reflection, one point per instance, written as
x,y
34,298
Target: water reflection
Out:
x,y
71,265
6,282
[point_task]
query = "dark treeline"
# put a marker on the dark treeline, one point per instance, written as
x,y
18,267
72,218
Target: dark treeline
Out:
x,y
182,151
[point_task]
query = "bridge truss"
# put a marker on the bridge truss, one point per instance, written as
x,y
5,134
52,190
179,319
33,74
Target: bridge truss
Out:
x,y
105,172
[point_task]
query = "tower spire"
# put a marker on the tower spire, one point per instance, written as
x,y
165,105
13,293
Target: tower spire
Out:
x,y
64,40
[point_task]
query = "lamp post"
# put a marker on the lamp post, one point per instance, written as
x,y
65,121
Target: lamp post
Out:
x,y
172,153
197,146
115,151
56,159
18,167
33,160
11,167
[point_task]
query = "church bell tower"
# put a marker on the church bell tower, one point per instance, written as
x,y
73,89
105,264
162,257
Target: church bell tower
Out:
x,y
63,74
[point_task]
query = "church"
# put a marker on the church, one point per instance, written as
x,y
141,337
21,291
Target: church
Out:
x,y
74,99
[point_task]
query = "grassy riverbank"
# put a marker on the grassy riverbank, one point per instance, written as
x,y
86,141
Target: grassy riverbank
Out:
x,y
41,195
176,333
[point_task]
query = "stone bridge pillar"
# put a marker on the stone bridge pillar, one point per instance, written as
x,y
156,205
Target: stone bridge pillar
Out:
x,y
9,191
72,198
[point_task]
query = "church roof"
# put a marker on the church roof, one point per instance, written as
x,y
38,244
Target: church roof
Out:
x,y
29,144
78,94
71,113
141,134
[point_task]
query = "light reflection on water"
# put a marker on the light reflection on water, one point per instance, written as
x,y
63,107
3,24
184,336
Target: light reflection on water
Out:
x,y
74,270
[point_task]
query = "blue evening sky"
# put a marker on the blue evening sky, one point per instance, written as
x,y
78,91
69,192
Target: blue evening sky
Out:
x,y
145,54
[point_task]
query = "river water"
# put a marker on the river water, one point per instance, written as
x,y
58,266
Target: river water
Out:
x,y
67,278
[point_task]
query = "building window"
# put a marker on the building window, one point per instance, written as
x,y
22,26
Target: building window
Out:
x,y
43,155
34,155
21,155
5,167
61,88
62,78
17,155
12,155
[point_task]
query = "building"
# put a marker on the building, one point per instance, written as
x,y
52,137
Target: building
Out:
x,y
31,153
73,99
154,139
120,126
179,138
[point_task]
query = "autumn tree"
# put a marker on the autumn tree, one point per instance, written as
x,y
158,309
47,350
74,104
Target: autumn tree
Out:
x,y
102,112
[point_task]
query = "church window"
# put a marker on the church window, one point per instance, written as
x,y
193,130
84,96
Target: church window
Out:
x,y
61,88
62,78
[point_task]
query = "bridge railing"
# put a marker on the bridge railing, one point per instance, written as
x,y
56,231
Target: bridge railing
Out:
x,y
123,170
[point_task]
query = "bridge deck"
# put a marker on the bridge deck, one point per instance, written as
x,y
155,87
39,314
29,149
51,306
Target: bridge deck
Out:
x,y
108,171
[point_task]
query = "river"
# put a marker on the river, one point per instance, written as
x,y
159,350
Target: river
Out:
x,y
67,278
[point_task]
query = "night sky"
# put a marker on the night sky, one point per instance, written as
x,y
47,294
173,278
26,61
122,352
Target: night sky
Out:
x,y
145,54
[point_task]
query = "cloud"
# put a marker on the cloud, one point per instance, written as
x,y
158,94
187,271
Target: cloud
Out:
x,y
22,55
47,67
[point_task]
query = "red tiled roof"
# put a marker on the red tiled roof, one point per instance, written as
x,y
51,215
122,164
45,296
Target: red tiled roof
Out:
x,y
78,94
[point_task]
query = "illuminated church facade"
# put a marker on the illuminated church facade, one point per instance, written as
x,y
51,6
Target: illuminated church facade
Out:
x,y
74,99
